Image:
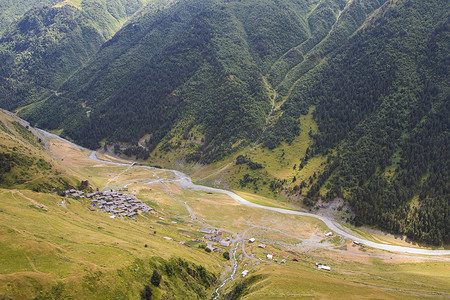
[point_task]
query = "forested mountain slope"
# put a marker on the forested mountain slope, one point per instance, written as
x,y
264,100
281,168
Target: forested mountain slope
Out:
x,y
382,107
41,50
48,44
12,10
197,66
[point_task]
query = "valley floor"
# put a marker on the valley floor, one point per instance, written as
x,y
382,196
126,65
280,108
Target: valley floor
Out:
x,y
281,262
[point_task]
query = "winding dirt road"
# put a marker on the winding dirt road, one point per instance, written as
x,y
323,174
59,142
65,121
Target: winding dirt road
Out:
x,y
185,182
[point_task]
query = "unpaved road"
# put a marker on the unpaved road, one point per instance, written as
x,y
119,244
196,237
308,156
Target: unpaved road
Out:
x,y
185,182
37,204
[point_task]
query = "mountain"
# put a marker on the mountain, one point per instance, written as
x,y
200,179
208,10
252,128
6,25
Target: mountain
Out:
x,y
335,106
374,126
43,48
11,11
318,99
206,62
383,119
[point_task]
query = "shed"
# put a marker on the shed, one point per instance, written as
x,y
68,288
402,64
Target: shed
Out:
x,y
252,240
225,243
322,267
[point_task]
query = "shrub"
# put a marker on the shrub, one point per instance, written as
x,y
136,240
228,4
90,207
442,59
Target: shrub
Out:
x,y
146,294
156,278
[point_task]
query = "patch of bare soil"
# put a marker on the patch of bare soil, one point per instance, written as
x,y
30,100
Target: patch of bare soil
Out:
x,y
336,209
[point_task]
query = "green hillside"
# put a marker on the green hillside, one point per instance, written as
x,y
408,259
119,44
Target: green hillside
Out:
x,y
206,61
43,48
24,162
11,11
69,247
382,106
52,251
68,252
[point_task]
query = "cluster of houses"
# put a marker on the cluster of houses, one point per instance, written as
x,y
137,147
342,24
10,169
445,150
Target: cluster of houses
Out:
x,y
74,193
214,236
118,204
270,256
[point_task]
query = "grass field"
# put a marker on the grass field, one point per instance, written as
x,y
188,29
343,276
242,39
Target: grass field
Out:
x,y
351,276
276,282
284,161
67,243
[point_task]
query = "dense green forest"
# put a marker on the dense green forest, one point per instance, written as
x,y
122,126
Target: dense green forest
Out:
x,y
382,103
41,50
205,61
11,11
199,76
44,47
